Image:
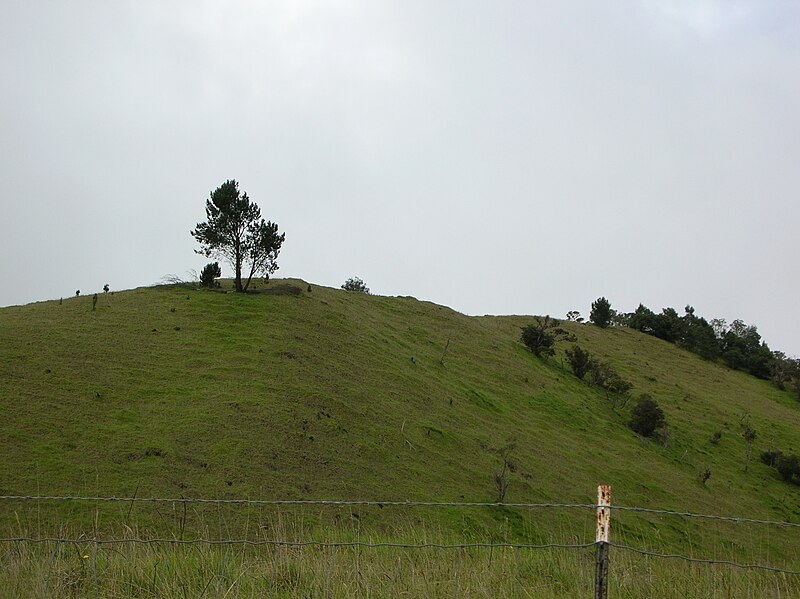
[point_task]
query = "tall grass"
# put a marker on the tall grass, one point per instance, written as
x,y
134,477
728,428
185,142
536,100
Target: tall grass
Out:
x,y
159,569
135,570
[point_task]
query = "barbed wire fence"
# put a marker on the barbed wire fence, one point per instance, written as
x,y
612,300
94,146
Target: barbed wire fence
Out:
x,y
603,509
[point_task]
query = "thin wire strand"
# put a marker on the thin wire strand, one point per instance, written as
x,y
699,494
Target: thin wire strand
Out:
x,y
735,519
361,544
704,561
381,504
280,502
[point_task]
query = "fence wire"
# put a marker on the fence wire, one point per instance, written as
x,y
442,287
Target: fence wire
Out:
x,y
381,504
325,544
697,560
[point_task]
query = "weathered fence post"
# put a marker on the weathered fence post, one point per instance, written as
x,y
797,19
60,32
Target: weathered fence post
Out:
x,y
601,539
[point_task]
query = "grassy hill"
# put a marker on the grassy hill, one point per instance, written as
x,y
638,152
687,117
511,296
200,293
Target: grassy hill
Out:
x,y
291,393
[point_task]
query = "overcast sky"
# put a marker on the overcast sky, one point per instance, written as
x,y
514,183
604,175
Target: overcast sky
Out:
x,y
496,157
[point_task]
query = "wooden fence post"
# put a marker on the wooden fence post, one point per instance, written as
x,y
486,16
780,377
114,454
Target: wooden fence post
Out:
x,y
601,540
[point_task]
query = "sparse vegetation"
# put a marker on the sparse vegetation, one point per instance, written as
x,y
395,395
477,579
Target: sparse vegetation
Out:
x,y
704,475
604,375
749,435
501,481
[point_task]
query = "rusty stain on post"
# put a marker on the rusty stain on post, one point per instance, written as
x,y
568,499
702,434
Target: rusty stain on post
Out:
x,y
603,513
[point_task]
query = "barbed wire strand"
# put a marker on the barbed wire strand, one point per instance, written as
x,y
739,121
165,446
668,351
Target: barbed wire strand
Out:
x,y
300,502
381,504
735,519
326,544
704,561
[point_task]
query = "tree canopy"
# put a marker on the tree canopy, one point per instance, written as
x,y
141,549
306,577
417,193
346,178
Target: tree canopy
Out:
x,y
235,231
601,313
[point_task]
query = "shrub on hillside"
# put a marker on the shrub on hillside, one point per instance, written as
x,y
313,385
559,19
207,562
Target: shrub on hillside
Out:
x,y
209,275
647,417
542,334
579,360
770,458
603,375
788,466
355,284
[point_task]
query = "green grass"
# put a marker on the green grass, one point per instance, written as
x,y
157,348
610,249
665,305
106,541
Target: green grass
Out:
x,y
128,570
181,392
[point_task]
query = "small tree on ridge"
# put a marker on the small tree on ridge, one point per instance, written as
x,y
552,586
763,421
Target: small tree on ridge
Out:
x,y
235,231
601,313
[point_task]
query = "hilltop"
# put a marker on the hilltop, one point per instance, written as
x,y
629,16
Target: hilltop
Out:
x,y
304,392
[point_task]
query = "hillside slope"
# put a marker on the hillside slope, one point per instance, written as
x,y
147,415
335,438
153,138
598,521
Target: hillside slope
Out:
x,y
297,394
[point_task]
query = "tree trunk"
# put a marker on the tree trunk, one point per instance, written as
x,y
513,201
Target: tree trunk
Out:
x,y
238,281
249,277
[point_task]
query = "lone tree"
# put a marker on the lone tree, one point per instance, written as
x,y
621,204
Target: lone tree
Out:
x,y
601,313
235,231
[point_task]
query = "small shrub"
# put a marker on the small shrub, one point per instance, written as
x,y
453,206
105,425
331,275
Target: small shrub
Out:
x,y
209,275
355,284
541,335
574,316
501,481
579,360
770,458
603,375
600,372
789,468
647,417
716,438
704,475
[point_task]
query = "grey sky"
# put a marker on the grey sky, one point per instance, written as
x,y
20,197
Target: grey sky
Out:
x,y
496,157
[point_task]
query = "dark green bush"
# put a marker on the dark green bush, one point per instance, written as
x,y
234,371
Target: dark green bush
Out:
x,y
647,417
770,458
209,275
355,284
601,313
788,466
579,360
542,334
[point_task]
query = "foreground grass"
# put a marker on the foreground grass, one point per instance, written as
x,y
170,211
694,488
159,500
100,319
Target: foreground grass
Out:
x,y
89,570
316,554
